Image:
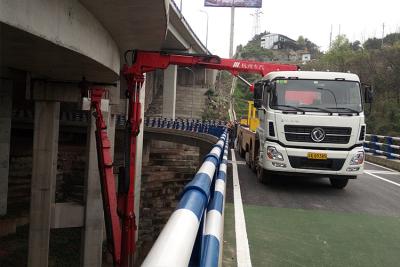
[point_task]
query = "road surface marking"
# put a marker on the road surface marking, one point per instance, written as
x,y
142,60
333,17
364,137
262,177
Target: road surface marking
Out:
x,y
382,172
239,162
381,178
386,168
242,242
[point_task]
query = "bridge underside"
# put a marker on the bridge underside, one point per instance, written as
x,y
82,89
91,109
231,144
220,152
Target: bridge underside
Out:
x,y
59,43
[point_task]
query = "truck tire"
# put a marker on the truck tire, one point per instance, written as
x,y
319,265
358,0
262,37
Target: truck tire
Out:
x,y
263,176
242,152
339,183
247,158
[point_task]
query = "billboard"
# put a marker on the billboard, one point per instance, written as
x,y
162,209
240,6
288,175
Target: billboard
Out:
x,y
236,3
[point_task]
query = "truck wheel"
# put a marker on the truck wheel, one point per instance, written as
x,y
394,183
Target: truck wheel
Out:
x,y
339,183
247,158
242,153
263,176
253,166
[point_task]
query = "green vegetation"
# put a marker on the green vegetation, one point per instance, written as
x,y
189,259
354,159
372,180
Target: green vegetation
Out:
x,y
376,64
253,51
229,245
217,102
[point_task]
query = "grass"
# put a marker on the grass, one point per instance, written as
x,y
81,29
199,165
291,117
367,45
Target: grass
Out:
x,y
229,249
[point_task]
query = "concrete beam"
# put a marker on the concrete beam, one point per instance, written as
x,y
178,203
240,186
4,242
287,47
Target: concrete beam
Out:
x,y
41,90
383,161
52,91
133,23
175,40
44,167
5,134
66,24
169,91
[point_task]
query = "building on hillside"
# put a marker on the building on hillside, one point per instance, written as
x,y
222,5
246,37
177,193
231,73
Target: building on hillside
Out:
x,y
277,41
305,56
284,48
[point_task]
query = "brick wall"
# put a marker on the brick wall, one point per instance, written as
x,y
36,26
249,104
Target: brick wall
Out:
x,y
170,167
70,169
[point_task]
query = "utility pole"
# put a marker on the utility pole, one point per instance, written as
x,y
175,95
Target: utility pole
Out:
x,y
256,27
205,12
232,29
383,32
339,30
330,37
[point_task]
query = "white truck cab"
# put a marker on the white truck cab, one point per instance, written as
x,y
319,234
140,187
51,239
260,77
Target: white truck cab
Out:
x,y
312,124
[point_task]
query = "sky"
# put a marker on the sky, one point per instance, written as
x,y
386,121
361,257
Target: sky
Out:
x,y
357,19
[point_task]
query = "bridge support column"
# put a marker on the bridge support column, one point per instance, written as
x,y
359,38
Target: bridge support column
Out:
x,y
5,133
169,92
92,234
44,167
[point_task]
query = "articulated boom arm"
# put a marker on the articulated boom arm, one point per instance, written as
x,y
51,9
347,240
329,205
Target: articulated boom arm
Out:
x,y
146,61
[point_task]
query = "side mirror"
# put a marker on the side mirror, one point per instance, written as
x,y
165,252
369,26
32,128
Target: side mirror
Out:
x,y
368,94
258,92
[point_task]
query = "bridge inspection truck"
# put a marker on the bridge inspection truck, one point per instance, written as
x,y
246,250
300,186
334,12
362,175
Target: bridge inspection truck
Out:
x,y
310,124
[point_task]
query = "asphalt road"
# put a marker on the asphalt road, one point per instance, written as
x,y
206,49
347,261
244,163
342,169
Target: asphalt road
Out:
x,y
366,194
305,222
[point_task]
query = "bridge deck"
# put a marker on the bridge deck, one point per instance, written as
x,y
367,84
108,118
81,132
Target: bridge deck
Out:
x,y
301,222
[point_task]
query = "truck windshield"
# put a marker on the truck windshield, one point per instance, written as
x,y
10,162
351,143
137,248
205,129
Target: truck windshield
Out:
x,y
317,95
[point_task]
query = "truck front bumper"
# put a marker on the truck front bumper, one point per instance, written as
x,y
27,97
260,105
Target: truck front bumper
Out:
x,y
294,160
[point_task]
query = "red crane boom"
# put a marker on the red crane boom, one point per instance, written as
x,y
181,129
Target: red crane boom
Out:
x,y
119,209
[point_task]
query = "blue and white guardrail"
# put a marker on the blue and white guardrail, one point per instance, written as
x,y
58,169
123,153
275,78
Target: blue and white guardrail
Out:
x,y
214,227
182,241
383,145
213,127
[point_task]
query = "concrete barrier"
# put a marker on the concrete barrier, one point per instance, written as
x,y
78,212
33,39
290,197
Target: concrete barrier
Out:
x,y
383,161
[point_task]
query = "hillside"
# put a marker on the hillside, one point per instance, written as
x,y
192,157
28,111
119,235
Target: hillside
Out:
x,y
376,64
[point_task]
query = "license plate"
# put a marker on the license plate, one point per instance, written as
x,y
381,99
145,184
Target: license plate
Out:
x,y
312,155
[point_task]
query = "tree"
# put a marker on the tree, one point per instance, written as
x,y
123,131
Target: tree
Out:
x,y
391,39
372,43
339,54
356,45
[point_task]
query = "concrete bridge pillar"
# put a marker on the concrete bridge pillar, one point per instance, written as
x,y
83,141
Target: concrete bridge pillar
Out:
x,y
169,92
5,133
92,234
44,167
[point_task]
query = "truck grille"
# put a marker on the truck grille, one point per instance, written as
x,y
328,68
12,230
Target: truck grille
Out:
x,y
334,135
305,163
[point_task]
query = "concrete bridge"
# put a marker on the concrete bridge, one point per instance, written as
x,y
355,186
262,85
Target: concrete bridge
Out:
x,y
47,48
48,163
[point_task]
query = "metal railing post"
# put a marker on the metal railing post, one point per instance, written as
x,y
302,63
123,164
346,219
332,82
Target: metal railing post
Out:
x,y
389,148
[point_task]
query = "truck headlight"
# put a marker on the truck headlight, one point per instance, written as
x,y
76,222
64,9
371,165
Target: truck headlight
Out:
x,y
273,153
358,158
